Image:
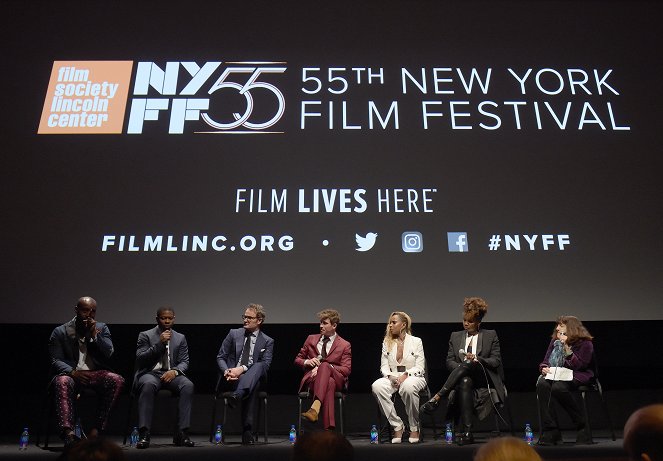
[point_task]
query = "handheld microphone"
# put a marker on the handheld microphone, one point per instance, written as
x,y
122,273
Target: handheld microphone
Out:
x,y
463,355
168,352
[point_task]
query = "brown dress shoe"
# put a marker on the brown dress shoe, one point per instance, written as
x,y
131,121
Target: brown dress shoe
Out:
x,y
310,415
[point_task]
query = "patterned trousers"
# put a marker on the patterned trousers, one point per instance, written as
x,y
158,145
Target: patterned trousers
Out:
x,y
106,385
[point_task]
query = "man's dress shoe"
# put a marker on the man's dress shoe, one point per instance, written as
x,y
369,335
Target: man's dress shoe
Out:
x,y
181,439
247,438
143,439
310,415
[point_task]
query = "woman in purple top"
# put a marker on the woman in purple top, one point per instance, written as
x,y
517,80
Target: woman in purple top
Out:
x,y
570,347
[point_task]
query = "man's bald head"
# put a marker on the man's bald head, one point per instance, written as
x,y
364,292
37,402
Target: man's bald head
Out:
x,y
643,434
86,301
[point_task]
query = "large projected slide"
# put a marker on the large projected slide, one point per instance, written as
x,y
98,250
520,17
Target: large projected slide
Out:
x,y
399,155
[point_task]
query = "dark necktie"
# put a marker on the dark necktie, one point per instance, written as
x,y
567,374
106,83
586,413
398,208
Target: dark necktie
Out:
x,y
323,352
247,348
469,346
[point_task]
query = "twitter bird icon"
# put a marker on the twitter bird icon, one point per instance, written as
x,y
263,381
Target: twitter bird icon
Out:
x,y
367,242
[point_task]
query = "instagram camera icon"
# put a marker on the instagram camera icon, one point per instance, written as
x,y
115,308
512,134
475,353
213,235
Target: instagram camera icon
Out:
x,y
412,242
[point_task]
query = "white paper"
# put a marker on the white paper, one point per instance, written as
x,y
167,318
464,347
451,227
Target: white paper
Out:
x,y
560,374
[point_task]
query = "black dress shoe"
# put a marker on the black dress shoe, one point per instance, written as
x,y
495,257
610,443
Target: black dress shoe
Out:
x,y
247,438
430,406
234,400
143,439
466,438
550,437
181,439
70,440
583,437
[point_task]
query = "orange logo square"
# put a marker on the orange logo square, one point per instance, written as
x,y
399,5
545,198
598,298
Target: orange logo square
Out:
x,y
86,97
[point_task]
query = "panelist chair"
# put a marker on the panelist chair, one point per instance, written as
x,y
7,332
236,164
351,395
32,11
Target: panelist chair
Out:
x,y
261,396
48,409
339,398
424,396
133,397
593,387
495,407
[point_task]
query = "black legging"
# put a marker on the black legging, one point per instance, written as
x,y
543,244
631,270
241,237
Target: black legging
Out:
x,y
464,378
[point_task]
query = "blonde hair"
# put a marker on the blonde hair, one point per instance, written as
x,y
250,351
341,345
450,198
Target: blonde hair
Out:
x,y
388,338
506,449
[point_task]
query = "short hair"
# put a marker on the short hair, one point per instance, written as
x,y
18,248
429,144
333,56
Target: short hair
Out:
x,y
331,314
163,309
506,449
322,446
95,449
474,309
643,433
260,311
575,330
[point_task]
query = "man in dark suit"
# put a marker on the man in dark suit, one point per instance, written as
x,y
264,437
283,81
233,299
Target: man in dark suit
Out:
x,y
79,351
162,359
327,361
244,359
471,352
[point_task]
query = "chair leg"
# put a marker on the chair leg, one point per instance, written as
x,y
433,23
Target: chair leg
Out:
x,y
225,413
583,394
340,407
127,425
607,413
264,402
212,429
538,411
299,417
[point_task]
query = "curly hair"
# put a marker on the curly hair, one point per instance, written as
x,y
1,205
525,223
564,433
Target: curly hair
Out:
x,y
260,311
474,309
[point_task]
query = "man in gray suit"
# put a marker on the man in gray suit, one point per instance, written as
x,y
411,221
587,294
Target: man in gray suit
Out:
x,y
473,356
162,359
244,359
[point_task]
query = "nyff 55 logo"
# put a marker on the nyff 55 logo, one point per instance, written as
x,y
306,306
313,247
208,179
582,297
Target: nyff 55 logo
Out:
x,y
239,100
91,97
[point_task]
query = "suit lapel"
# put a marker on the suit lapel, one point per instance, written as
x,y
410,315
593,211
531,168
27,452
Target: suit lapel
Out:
x,y
479,342
260,345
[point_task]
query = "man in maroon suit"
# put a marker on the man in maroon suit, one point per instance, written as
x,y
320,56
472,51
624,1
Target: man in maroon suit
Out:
x,y
327,361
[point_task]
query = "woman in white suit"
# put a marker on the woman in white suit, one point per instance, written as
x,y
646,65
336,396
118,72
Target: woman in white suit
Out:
x,y
402,365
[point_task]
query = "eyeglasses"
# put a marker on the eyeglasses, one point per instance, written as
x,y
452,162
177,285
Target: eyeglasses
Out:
x,y
246,317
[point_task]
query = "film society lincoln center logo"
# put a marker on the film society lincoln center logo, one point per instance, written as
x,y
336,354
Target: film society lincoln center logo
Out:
x,y
86,97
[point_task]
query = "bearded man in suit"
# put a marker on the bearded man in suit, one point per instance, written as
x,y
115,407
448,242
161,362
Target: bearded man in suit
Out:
x,y
326,359
162,359
243,360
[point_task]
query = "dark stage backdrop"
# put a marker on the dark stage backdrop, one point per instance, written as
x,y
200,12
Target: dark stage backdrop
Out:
x,y
360,155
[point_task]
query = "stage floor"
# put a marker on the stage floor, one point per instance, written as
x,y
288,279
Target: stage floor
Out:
x,y
279,449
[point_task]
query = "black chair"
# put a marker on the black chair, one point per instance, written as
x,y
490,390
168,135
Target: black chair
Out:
x,y
492,394
594,386
339,397
261,396
48,404
162,393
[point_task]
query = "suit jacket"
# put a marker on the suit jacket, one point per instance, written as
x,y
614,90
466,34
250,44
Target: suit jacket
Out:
x,y
63,348
413,358
150,350
487,352
339,356
230,352
580,361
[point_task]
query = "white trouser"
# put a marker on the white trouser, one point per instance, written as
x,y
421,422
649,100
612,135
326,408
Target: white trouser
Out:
x,y
409,392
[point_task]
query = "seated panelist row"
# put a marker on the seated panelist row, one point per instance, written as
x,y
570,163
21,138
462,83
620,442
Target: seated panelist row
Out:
x,y
80,350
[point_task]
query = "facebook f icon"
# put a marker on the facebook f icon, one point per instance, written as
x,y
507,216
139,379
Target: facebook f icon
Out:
x,y
458,242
